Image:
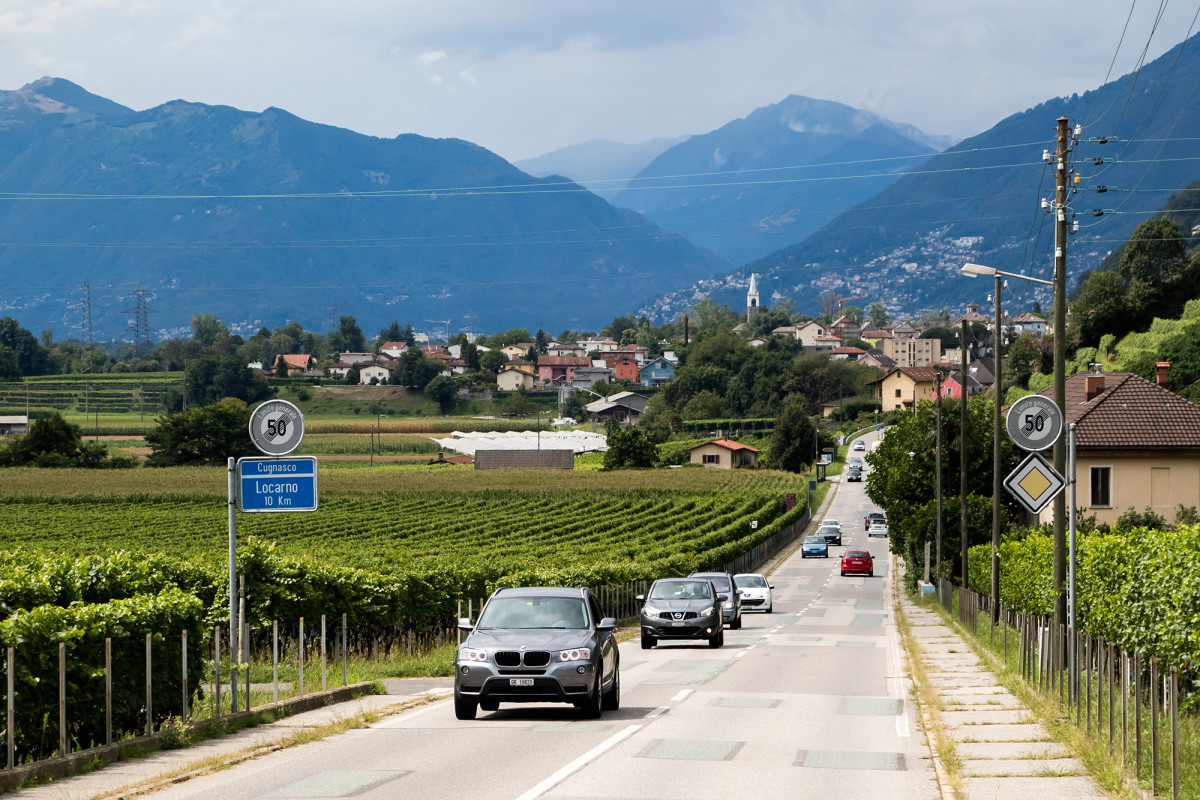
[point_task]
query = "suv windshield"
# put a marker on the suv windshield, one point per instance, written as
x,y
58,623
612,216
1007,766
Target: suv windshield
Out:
x,y
751,581
534,612
681,590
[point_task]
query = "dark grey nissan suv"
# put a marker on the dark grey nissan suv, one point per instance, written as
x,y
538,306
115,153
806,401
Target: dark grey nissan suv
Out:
x,y
681,608
538,645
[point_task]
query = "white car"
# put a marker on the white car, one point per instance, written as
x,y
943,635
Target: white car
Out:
x,y
831,522
860,445
756,592
877,529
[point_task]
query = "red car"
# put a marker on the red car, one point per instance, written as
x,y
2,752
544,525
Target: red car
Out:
x,y
858,562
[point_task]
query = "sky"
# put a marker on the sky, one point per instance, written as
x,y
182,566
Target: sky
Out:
x,y
524,77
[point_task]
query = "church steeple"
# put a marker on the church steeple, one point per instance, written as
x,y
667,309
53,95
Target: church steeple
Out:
x,y
752,299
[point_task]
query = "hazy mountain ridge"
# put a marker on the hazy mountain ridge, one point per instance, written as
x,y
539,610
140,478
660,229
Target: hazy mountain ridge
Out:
x,y
598,164
773,177
979,201
203,227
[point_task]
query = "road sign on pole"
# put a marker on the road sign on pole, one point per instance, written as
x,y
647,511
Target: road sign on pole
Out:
x,y
277,484
1034,423
1034,483
276,427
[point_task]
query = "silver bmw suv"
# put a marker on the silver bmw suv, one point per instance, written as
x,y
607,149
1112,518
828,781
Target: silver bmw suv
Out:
x,y
538,645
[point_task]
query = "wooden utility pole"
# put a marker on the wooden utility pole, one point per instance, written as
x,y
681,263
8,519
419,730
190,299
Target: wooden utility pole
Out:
x,y
1060,360
938,408
962,449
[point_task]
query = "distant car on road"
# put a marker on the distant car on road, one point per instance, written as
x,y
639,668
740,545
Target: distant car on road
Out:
x,y
731,606
872,517
860,445
538,645
814,546
681,608
854,474
830,521
756,591
877,529
858,562
831,533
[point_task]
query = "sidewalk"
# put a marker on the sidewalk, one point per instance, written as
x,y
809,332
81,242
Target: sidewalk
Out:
x,y
124,778
1003,751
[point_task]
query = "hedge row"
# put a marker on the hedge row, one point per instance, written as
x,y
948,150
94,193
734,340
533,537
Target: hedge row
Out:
x,y
1139,589
83,627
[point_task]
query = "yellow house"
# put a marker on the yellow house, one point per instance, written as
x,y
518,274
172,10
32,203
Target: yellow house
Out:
x,y
1137,444
515,376
904,387
724,454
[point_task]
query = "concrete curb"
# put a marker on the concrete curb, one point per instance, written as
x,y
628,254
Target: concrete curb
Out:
x,y
86,760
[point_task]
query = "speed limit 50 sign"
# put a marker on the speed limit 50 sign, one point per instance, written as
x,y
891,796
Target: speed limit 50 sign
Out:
x,y
276,427
1034,422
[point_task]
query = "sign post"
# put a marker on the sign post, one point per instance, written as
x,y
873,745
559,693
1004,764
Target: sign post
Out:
x,y
266,484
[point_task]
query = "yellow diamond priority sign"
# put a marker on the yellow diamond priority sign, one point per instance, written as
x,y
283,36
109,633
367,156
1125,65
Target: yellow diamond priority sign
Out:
x,y
1034,483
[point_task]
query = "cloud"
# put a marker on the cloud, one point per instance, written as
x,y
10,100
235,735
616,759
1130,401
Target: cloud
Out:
x,y
430,57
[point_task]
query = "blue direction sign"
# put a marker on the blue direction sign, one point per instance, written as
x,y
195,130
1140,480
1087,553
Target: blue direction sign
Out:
x,y
277,484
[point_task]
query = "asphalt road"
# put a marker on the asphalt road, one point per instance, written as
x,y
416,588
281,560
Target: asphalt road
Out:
x,y
809,701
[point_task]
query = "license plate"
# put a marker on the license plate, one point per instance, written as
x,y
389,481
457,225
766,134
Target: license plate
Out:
x,y
678,624
520,681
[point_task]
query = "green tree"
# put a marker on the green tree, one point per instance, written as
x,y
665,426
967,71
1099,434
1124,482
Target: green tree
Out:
x,y
853,313
795,440
10,368
415,371
628,449
281,367
210,434
352,335
353,376
1023,359
470,356
210,378
878,315
32,358
47,436
1154,253
541,342
1100,307
492,360
410,335
705,405
207,329
708,316
517,404
443,391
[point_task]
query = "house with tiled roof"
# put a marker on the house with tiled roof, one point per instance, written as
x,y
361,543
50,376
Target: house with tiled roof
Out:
x,y
297,363
1030,323
1137,444
560,368
515,376
724,454
847,353
904,387
393,349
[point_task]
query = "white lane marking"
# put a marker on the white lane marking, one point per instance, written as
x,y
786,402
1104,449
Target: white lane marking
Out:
x,y
681,695
739,655
896,684
579,763
658,712
404,716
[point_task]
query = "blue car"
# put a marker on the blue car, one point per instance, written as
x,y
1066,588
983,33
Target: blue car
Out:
x,y
814,546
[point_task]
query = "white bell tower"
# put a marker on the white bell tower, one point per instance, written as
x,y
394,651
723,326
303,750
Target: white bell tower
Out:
x,y
752,299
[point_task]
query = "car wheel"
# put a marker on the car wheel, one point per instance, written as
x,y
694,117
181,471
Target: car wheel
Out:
x,y
464,708
591,707
843,573
768,609
647,642
718,640
736,624
871,574
488,705
612,698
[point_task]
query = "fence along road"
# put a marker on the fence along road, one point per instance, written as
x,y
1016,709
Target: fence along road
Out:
x,y
808,701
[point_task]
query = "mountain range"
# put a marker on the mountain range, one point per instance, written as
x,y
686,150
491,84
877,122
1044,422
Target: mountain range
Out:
x,y
981,199
603,166
770,179
265,218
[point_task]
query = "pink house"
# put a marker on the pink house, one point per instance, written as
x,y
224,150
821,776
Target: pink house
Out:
x,y
552,368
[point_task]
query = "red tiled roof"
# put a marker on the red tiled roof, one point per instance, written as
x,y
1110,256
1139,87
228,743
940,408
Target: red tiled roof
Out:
x,y
564,361
1131,412
728,444
847,350
295,360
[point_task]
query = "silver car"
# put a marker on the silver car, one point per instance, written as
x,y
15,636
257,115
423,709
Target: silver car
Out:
x,y
538,645
682,608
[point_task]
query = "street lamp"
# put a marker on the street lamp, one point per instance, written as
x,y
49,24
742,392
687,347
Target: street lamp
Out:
x,y
971,271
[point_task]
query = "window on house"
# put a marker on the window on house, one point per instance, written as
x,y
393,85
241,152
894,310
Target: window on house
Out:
x,y
712,458
1101,487
897,393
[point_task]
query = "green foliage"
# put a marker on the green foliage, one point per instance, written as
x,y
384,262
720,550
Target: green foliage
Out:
x,y
208,379
1139,589
705,404
207,435
415,371
628,449
795,440
32,357
442,390
1131,518
83,627
51,435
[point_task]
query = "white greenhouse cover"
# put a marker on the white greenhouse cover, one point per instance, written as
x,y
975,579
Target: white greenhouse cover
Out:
x,y
576,441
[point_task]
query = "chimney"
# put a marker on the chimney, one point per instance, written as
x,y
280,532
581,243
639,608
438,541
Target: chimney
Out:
x,y
1093,386
1164,369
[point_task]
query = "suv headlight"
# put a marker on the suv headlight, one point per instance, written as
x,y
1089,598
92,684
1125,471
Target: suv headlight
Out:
x,y
649,610
467,654
578,654
708,612
727,604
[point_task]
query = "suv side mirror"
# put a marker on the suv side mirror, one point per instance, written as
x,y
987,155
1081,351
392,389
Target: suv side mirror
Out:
x,y
770,586
641,598
607,624
722,597
464,624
